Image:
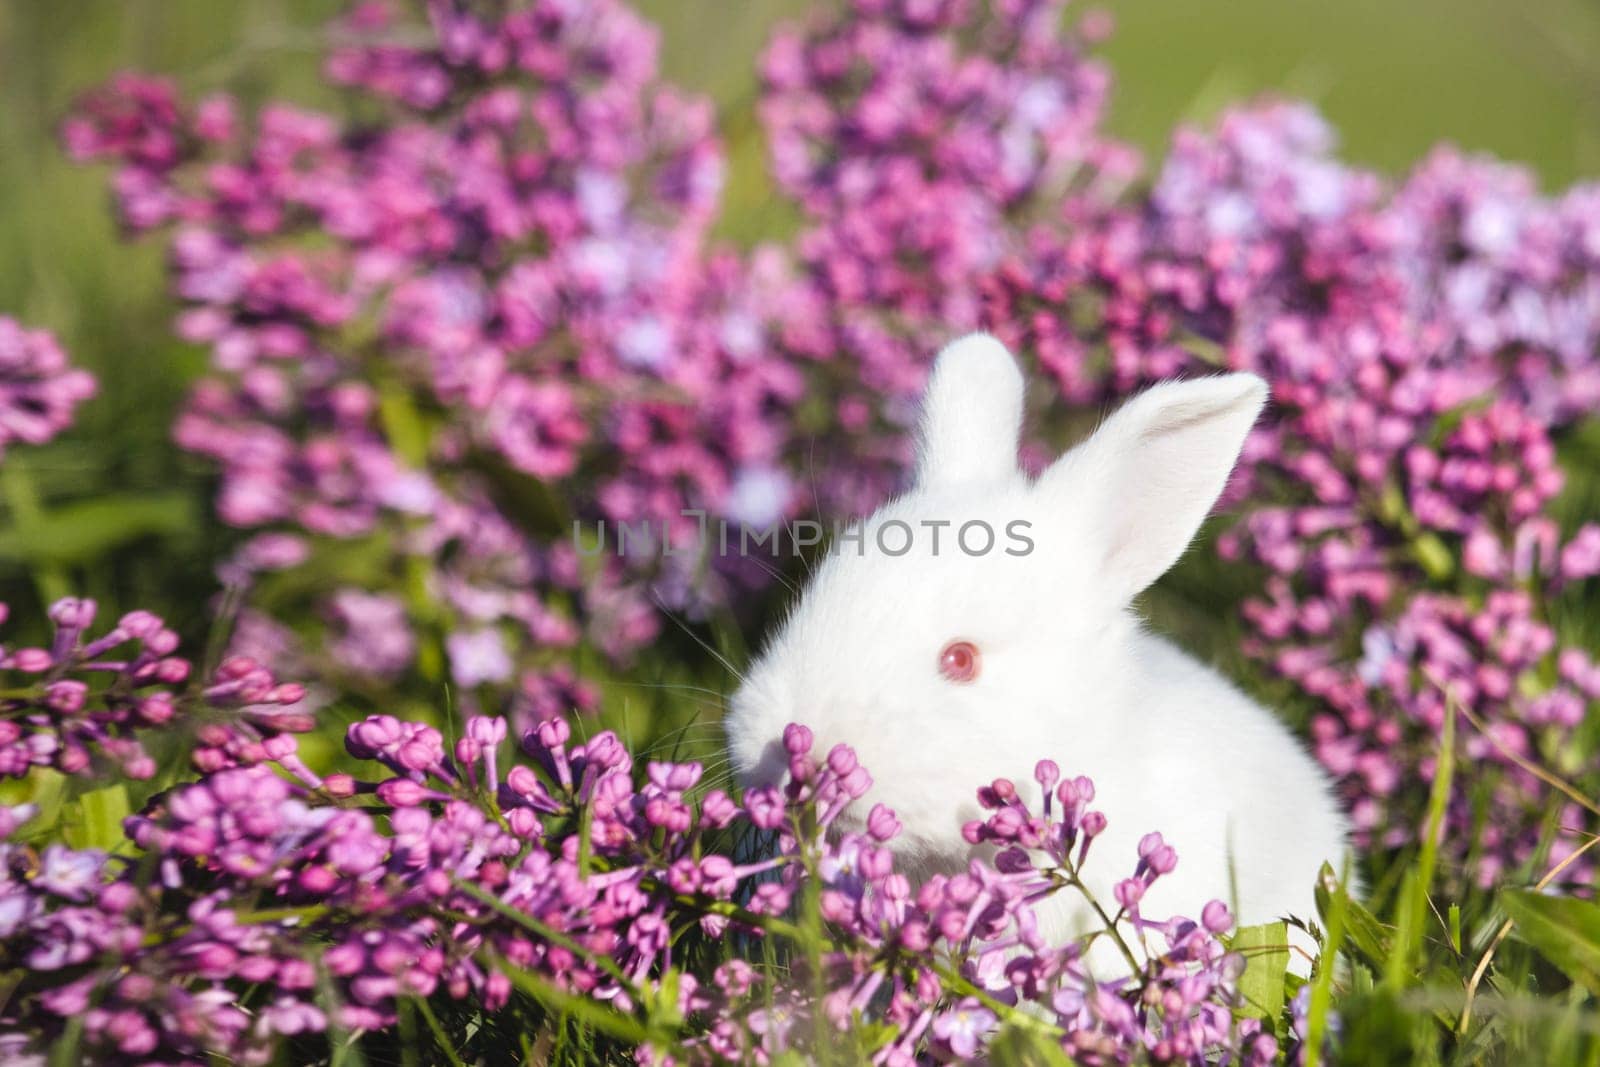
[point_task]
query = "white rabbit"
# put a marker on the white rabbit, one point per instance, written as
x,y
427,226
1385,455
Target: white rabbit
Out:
x,y
1063,668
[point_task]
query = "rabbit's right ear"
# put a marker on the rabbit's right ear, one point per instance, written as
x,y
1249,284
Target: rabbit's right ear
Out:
x,y
971,415
1140,487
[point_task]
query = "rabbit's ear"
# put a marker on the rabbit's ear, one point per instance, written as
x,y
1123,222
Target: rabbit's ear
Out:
x,y
971,415
1140,487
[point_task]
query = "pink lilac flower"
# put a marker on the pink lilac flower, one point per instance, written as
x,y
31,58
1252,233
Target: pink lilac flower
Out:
x,y
1419,380
917,139
497,292
39,389
377,638
253,888
87,703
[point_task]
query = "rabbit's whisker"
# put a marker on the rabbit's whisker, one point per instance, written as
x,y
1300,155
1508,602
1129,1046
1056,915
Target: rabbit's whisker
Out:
x,y
697,639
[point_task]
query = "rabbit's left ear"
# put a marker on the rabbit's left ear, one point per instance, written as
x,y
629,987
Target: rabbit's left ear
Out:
x,y
1141,485
971,415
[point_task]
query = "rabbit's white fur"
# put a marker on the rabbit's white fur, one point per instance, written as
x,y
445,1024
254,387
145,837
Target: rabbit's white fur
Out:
x,y
1067,672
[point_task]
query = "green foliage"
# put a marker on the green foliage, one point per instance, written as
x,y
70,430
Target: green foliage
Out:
x,y
1565,931
1021,1046
1266,950
82,531
97,821
1371,939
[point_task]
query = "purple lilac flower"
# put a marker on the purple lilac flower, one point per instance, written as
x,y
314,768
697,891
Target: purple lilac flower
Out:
x,y
521,235
39,390
377,639
84,699
1422,357
265,877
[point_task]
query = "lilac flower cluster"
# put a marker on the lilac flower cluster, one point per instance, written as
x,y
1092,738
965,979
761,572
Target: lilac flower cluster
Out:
x,y
266,903
917,139
39,390
81,701
450,332
1444,652
1423,346
1257,245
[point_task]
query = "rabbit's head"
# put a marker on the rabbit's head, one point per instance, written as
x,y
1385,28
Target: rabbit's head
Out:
x,y
980,621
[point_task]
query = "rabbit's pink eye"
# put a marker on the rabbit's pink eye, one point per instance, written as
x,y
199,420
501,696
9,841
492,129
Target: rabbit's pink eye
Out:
x,y
959,661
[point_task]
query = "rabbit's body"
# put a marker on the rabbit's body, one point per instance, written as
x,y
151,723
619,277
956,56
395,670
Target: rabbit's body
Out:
x,y
1238,797
1066,672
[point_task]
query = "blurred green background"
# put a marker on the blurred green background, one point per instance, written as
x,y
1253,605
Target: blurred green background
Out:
x,y
115,511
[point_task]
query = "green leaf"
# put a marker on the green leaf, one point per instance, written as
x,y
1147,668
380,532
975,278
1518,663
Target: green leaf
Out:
x,y
1266,952
1392,505
99,819
1024,1046
344,1045
1413,911
1566,931
1379,1030
85,530
1371,938
1434,556
403,424
661,1003
64,1050
602,1016
45,787
1334,910
522,497
359,561
441,1039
